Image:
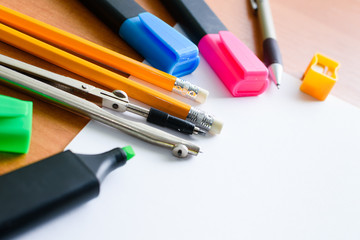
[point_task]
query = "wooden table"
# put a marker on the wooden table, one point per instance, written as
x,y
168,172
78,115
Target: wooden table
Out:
x,y
328,27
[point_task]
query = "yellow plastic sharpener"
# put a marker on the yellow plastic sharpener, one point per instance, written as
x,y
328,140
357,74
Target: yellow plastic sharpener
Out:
x,y
320,76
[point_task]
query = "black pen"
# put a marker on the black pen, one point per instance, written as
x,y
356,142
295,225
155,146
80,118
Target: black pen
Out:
x,y
272,56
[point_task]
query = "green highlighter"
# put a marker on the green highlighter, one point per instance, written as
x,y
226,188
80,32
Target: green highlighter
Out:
x,y
39,191
15,124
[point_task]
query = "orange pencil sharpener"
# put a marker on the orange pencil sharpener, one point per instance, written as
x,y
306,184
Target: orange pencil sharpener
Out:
x,y
320,76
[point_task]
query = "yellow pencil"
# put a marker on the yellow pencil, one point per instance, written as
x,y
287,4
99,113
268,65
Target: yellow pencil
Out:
x,y
110,79
85,48
93,72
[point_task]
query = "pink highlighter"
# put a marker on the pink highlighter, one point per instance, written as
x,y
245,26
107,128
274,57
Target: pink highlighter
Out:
x,y
242,72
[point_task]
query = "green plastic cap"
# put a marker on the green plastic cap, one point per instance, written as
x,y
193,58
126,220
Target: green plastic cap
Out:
x,y
15,124
129,152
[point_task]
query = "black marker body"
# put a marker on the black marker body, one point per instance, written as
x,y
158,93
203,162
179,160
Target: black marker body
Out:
x,y
195,17
41,190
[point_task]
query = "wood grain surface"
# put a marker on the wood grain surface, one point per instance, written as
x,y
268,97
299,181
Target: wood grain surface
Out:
x,y
303,28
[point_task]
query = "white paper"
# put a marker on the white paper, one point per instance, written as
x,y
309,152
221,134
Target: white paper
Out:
x,y
285,166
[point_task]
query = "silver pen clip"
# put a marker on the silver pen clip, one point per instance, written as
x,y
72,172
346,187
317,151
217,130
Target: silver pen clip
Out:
x,y
80,97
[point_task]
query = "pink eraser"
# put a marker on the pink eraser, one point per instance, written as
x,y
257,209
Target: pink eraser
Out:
x,y
236,65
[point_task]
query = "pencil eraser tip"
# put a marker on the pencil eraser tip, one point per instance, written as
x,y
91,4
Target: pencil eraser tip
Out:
x,y
202,95
216,127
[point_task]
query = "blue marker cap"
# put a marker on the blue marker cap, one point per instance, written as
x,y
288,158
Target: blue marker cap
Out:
x,y
162,46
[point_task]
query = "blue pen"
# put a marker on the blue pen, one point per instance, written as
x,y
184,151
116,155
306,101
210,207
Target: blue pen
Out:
x,y
160,44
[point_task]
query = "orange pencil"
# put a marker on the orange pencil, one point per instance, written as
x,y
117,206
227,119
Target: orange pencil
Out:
x,y
109,79
85,48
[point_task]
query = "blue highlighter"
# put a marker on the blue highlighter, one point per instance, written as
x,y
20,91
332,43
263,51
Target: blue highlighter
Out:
x,y
160,44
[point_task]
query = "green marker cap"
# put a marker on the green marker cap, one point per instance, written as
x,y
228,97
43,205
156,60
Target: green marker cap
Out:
x,y
129,152
15,124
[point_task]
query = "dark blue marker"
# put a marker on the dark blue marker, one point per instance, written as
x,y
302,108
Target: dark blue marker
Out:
x,y
160,44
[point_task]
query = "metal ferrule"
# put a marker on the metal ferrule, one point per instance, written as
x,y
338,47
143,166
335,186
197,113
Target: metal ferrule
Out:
x,y
186,89
200,118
